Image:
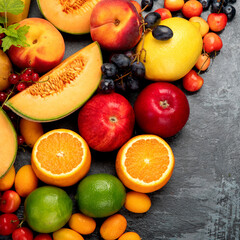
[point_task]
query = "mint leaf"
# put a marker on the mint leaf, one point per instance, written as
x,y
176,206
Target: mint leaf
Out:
x,y
2,20
11,30
11,6
2,29
22,31
6,43
16,38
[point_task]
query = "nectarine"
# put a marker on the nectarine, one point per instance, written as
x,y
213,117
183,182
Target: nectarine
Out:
x,y
115,24
46,47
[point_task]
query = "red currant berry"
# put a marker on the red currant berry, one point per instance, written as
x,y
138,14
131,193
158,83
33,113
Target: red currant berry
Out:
x,y
9,92
12,116
3,96
25,77
5,108
21,86
35,77
29,71
2,35
20,140
13,78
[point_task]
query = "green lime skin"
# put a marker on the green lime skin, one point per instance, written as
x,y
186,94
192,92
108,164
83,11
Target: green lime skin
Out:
x,y
100,195
47,209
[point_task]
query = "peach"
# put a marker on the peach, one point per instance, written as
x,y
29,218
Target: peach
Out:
x,y
46,46
115,24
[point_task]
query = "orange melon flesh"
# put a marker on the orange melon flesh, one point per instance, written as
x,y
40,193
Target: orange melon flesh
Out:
x,y
62,90
8,143
71,16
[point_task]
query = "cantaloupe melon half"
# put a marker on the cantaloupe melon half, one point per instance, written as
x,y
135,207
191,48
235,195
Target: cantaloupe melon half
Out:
x,y
71,16
8,143
62,90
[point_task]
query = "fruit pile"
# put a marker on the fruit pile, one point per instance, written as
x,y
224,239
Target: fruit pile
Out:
x,y
142,57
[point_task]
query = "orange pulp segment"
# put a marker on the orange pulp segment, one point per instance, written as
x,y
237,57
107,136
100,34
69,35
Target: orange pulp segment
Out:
x,y
145,163
61,157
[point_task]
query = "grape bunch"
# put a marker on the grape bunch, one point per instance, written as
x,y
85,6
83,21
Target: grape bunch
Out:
x,y
122,74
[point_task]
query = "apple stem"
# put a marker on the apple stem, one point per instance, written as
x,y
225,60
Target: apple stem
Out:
x,y
164,104
113,119
117,22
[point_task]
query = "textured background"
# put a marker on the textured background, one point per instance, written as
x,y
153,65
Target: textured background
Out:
x,y
201,200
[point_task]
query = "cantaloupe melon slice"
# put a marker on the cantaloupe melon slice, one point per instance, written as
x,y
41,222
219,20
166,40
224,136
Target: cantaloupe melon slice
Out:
x,y
8,143
71,16
62,90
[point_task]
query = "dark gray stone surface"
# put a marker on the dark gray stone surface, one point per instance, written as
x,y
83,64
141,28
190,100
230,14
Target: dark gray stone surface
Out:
x,y
202,199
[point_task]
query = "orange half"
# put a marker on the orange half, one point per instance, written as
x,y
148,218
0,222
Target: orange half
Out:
x,y
145,163
61,157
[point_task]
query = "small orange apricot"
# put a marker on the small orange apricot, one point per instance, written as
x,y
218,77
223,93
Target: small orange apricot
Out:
x,y
113,227
204,27
173,5
82,223
130,236
30,131
137,202
8,180
66,234
26,181
203,62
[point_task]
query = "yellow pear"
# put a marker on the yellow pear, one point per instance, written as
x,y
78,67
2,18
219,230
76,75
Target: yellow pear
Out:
x,y
5,70
170,60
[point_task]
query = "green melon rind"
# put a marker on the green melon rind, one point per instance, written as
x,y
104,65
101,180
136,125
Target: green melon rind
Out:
x,y
8,104
80,33
15,136
50,119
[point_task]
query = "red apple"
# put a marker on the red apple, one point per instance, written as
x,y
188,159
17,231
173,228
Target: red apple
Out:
x,y
46,46
115,25
106,121
162,109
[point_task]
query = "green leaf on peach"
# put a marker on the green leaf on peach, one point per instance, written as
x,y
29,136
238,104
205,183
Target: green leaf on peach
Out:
x,y
14,36
11,6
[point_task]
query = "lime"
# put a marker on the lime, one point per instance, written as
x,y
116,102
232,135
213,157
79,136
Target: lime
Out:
x,y
100,195
47,209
